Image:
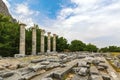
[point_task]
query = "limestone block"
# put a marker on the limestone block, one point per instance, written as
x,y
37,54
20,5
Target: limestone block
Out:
x,y
19,55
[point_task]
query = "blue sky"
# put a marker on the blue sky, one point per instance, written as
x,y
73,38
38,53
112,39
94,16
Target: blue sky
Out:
x,y
92,21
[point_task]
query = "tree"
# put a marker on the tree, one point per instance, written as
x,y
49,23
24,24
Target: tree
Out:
x,y
28,41
91,48
61,44
77,45
9,39
105,49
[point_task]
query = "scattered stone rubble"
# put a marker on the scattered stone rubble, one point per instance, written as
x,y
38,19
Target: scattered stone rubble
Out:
x,y
58,66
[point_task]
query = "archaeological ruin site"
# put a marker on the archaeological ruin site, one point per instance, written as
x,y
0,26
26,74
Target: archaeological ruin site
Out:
x,y
38,54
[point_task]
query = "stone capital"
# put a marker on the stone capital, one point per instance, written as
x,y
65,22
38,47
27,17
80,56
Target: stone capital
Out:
x,y
43,30
49,33
54,34
22,24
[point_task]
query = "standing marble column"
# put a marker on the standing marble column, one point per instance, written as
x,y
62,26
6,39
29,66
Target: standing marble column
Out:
x,y
49,42
34,40
42,41
22,39
54,42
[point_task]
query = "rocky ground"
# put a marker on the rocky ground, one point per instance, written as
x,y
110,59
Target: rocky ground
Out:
x,y
60,66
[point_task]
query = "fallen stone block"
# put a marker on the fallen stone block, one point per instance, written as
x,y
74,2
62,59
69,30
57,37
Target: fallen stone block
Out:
x,y
28,76
83,64
95,77
19,55
96,62
2,67
52,65
45,62
46,79
94,74
103,65
37,67
13,67
105,76
83,71
101,68
53,60
22,65
37,60
1,78
77,77
59,74
6,74
93,70
76,69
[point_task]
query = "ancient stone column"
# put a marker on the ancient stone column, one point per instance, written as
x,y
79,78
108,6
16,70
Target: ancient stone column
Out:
x,y
49,42
34,40
42,41
22,39
54,42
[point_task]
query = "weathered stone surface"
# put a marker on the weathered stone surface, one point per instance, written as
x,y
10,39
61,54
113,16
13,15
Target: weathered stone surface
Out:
x,y
54,42
105,76
83,71
42,41
2,67
117,63
103,65
94,74
4,9
19,55
53,60
82,64
45,63
76,77
34,40
37,60
37,67
6,74
22,65
49,43
60,73
52,65
13,67
47,79
1,78
93,70
22,39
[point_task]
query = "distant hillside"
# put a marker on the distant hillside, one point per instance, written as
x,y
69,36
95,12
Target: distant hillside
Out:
x,y
3,9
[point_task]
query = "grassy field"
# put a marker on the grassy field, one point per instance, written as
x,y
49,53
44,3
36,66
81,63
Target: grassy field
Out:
x,y
114,54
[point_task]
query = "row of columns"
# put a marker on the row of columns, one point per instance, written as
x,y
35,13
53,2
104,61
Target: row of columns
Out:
x,y
42,49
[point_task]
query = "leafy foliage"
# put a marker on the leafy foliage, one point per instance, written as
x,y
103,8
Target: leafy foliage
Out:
x,y
77,45
110,49
9,36
91,48
61,44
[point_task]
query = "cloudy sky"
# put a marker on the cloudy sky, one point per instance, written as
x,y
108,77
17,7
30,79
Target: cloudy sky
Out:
x,y
92,21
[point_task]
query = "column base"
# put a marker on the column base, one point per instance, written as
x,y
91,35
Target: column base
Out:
x,y
19,55
54,51
48,51
33,54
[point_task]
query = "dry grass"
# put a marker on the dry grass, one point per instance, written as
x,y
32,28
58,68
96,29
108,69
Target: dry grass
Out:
x,y
115,53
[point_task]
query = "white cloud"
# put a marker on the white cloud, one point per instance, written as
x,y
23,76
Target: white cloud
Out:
x,y
91,22
23,9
